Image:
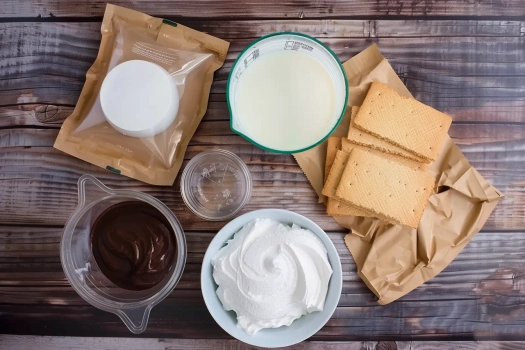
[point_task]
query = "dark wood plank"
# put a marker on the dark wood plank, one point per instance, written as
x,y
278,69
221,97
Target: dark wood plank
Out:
x,y
473,78
45,180
12,342
480,293
483,87
268,9
38,183
218,132
38,186
473,70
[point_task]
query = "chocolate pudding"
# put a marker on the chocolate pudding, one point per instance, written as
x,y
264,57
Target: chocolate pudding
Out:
x,y
133,244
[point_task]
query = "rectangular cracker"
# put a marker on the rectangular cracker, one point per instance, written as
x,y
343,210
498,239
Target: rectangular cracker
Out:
x,y
347,146
335,207
333,145
403,121
363,138
334,175
384,187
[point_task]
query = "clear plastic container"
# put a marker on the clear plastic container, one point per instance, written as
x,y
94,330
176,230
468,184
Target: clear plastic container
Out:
x,y
282,42
216,184
82,271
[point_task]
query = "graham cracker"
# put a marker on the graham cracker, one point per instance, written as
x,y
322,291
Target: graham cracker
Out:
x,y
384,187
363,138
333,145
332,207
403,121
347,146
336,207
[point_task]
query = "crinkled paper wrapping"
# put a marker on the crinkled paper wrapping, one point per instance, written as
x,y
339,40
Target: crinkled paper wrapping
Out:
x,y
393,259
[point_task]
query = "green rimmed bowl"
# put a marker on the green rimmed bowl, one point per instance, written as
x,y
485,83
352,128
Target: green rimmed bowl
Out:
x,y
284,41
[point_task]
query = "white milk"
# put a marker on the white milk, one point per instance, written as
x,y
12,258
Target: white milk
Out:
x,y
285,100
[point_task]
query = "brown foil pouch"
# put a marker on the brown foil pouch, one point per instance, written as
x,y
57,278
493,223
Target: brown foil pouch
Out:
x,y
190,57
393,259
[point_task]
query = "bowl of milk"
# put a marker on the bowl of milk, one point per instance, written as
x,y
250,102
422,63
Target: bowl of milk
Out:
x,y
287,92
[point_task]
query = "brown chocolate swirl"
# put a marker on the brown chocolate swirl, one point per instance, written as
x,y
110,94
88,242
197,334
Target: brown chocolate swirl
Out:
x,y
133,245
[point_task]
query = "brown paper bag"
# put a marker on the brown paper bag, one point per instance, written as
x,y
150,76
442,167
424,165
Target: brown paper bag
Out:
x,y
189,56
393,259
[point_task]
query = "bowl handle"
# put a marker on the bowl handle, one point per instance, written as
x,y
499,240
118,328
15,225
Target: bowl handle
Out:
x,y
135,319
90,189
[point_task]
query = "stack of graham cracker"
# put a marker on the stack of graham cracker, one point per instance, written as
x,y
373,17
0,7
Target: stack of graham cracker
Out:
x,y
380,169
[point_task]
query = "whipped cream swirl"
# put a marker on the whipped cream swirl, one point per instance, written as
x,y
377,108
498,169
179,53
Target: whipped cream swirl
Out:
x,y
271,274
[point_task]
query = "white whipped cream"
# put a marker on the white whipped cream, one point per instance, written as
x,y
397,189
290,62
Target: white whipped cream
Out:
x,y
271,274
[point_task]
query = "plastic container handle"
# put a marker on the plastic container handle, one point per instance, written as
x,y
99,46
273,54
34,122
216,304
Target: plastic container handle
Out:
x,y
90,189
135,319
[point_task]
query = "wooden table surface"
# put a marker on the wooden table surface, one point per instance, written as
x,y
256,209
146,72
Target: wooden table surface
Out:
x,y
464,57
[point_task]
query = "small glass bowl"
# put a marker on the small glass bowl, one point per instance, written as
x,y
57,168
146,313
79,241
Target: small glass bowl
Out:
x,y
215,185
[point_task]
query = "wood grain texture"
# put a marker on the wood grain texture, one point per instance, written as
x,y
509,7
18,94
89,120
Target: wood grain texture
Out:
x,y
485,105
13,342
474,78
472,69
478,295
295,9
39,187
38,183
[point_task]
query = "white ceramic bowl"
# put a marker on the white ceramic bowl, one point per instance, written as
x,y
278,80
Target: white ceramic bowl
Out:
x,y
300,329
